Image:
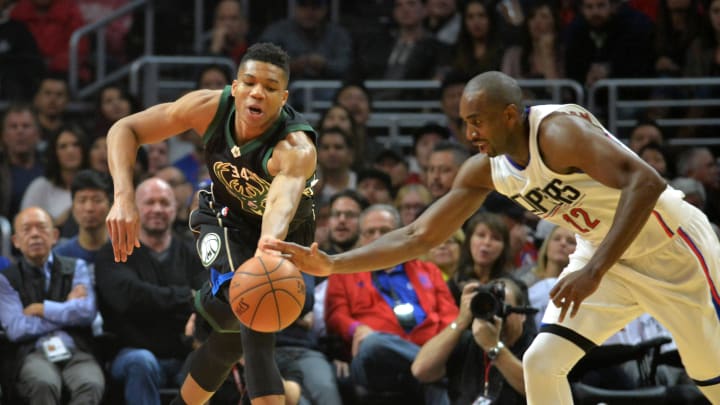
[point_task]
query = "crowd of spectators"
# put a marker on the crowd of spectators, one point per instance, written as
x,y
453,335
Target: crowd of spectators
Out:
x,y
407,331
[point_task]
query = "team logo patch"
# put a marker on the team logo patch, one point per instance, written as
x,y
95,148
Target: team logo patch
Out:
x,y
209,248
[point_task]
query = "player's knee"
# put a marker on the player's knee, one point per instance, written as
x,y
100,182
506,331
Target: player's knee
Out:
x,y
537,362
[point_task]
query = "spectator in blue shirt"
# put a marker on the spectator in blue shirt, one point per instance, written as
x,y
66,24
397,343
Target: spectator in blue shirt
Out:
x,y
46,307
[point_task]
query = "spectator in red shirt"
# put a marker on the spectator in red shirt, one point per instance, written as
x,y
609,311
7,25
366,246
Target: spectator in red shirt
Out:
x,y
387,315
52,22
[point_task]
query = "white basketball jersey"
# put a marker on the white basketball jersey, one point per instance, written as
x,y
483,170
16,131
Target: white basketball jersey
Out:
x,y
576,201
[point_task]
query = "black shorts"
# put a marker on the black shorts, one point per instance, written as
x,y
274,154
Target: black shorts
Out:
x,y
224,243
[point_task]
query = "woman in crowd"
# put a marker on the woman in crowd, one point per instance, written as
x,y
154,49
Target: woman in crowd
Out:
x,y
447,254
411,200
66,155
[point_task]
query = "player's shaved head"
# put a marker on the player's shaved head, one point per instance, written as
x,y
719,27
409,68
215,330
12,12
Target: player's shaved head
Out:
x,y
498,88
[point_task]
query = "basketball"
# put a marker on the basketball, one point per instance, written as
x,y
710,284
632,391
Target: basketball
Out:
x,y
267,293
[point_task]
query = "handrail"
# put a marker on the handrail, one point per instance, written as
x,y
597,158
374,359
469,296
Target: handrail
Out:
x,y
5,232
139,63
614,104
309,104
73,69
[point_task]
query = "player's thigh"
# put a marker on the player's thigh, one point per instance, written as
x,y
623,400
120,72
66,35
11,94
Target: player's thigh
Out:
x,y
603,313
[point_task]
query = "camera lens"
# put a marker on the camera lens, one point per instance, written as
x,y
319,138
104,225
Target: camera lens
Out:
x,y
485,305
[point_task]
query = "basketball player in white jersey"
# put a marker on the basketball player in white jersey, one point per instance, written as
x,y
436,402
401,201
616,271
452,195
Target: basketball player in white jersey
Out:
x,y
641,248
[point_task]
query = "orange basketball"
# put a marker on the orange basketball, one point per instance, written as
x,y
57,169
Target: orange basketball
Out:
x,y
267,293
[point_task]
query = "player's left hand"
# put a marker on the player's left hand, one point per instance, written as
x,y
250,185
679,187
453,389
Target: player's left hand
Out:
x,y
571,290
310,260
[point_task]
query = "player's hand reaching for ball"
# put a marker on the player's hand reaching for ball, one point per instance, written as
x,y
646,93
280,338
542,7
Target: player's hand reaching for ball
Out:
x,y
310,260
571,290
123,223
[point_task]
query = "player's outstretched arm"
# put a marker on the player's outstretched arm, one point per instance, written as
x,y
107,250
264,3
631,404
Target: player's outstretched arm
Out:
x,y
292,164
192,111
435,225
571,143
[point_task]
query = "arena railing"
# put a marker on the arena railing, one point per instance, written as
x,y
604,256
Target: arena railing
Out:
x,y
152,84
5,235
397,115
623,104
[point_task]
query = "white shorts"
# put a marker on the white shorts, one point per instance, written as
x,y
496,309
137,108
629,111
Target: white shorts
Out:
x,y
678,285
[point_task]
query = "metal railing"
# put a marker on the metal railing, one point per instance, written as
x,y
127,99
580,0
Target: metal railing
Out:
x,y
152,84
101,76
616,106
99,27
5,234
311,103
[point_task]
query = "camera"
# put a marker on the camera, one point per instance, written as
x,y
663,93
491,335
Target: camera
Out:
x,y
489,302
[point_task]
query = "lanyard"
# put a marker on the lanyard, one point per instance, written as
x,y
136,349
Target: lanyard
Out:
x,y
487,363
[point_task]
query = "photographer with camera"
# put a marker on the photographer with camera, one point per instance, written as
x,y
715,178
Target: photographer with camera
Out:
x,y
481,352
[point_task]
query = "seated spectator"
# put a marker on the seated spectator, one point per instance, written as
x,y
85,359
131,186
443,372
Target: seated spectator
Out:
x,y
443,20
183,191
50,102
91,199
451,89
409,52
20,60
540,55
608,39
375,185
297,355
158,156
411,200
485,255
214,77
657,156
482,359
479,47
700,164
553,256
447,254
97,157
443,165
113,102
52,23
393,162
67,154
47,304
335,158
694,190
318,48
229,31
356,99
115,33
20,162
643,133
675,29
424,140
385,316
147,300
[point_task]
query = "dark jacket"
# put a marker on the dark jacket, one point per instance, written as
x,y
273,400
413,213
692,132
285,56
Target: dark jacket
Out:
x,y
145,303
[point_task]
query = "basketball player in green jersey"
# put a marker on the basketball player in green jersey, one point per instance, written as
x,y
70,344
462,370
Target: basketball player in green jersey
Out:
x,y
261,157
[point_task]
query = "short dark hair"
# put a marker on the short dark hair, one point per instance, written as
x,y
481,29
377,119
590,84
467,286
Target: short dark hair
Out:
x,y
351,194
460,153
337,130
91,180
269,53
430,128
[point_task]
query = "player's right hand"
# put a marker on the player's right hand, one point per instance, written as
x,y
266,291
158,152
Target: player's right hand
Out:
x,y
310,260
123,223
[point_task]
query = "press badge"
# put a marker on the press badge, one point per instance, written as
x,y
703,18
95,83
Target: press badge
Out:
x,y
55,350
